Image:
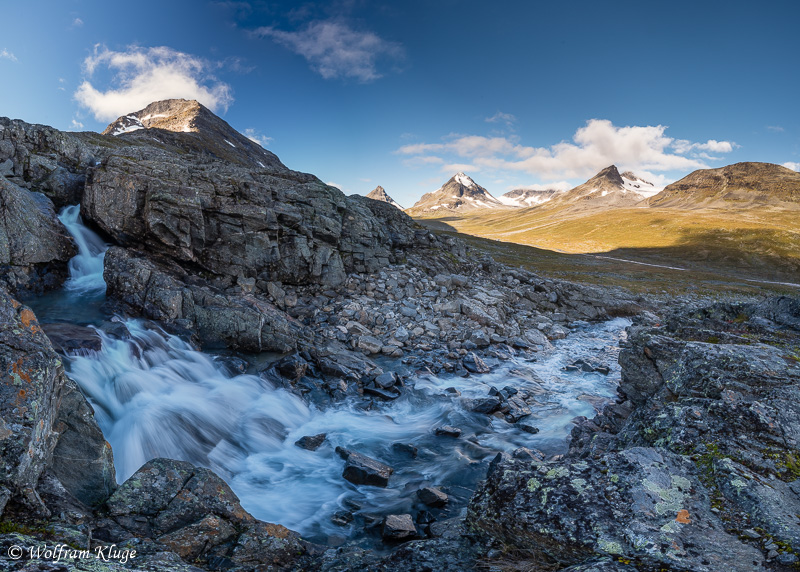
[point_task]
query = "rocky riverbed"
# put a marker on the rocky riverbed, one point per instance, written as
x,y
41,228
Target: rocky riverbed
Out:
x,y
386,398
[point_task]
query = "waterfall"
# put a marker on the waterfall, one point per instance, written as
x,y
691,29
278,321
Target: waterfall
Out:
x,y
85,269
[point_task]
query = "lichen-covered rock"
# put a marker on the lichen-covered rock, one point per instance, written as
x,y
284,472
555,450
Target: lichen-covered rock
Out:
x,y
34,245
195,514
46,425
639,504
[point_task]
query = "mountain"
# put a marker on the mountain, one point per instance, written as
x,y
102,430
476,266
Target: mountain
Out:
x,y
460,193
742,185
206,133
527,197
607,189
379,194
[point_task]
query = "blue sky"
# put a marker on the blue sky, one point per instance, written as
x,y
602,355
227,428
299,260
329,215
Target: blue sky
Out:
x,y
404,94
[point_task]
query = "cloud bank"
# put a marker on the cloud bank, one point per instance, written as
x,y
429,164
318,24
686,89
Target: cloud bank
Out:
x,y
335,50
791,165
143,75
6,55
594,146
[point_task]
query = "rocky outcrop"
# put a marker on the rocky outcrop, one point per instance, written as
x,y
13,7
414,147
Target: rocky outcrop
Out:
x,y
226,218
34,245
238,319
46,426
694,468
47,160
192,512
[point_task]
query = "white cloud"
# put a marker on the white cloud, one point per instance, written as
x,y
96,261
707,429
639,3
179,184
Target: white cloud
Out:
x,y
256,137
144,75
76,125
334,50
77,23
501,117
332,184
791,165
6,55
776,128
594,146
453,168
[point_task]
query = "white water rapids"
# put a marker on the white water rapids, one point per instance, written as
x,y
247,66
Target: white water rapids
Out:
x,y
155,396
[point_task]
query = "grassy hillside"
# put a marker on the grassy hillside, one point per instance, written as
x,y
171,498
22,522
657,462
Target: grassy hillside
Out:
x,y
759,244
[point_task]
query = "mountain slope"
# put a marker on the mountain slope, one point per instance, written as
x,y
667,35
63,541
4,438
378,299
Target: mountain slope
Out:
x,y
206,133
460,193
607,189
742,185
379,194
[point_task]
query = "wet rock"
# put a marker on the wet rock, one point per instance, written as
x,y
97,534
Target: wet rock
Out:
x,y
448,431
292,367
432,496
474,364
398,527
385,394
406,449
528,428
386,380
362,470
70,338
486,405
342,518
311,442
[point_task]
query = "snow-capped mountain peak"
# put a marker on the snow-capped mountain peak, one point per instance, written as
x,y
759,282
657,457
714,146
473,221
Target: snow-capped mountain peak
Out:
x,y
463,179
458,193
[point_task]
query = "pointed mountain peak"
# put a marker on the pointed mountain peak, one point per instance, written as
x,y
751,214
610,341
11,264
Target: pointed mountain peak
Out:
x,y
460,192
610,173
463,179
204,132
379,194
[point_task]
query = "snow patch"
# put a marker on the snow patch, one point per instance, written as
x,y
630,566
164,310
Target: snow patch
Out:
x,y
229,143
462,179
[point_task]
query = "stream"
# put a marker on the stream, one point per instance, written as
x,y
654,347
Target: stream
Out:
x,y
156,396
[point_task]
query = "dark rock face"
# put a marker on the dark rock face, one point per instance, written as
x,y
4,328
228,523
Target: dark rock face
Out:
x,y
45,422
165,292
34,245
194,513
47,160
699,449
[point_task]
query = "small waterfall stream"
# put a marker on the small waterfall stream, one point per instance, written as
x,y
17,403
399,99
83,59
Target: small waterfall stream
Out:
x,y
155,396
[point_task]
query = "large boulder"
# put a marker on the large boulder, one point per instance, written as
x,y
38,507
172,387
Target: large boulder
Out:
x,y
194,513
34,246
165,292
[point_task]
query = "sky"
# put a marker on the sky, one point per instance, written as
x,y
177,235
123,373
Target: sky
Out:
x,y
405,94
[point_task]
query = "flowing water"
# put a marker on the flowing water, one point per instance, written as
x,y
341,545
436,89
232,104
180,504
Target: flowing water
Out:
x,y
155,396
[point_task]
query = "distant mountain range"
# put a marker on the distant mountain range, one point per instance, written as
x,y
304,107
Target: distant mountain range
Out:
x,y
607,189
379,194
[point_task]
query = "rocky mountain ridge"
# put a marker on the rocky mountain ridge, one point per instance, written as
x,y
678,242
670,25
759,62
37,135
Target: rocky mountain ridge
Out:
x,y
607,189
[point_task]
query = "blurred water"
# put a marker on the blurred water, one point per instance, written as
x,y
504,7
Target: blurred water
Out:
x,y
154,396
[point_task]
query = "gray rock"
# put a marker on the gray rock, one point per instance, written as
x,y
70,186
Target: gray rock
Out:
x,y
362,470
398,527
311,442
432,496
474,364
